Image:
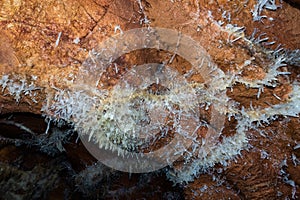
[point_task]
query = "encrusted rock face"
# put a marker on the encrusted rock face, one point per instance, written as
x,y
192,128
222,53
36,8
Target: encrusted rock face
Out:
x,y
232,95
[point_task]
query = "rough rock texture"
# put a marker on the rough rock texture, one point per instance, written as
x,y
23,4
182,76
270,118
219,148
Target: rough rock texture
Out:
x,y
46,43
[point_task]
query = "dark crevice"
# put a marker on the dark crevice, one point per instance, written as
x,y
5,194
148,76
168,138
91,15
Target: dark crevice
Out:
x,y
46,170
293,3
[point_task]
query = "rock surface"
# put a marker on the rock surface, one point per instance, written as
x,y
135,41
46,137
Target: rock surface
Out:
x,y
45,43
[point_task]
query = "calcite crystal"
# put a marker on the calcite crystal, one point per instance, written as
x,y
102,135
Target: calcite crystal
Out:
x,y
253,53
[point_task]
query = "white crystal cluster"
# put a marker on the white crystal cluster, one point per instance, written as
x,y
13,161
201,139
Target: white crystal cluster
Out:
x,y
120,118
260,6
17,87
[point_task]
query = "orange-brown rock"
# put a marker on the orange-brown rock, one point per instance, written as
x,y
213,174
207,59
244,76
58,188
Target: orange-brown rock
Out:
x,y
51,39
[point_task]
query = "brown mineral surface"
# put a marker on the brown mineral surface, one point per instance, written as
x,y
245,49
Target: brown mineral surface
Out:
x,y
44,44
